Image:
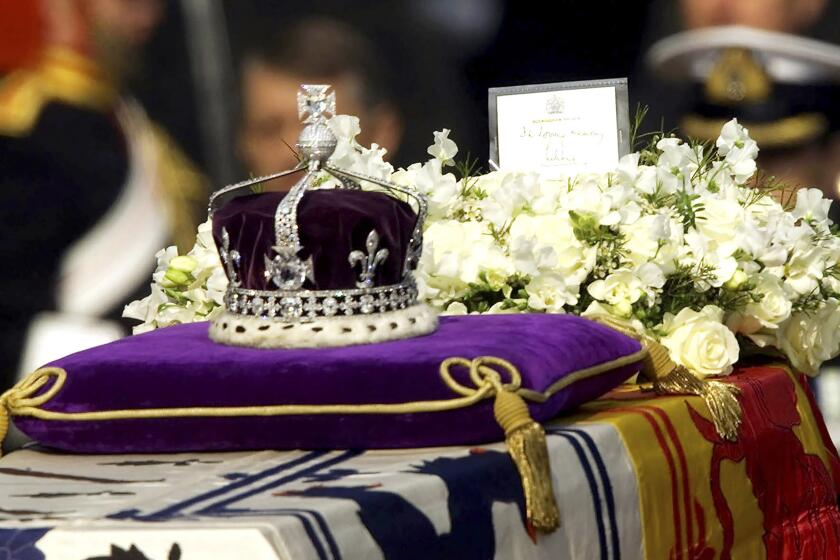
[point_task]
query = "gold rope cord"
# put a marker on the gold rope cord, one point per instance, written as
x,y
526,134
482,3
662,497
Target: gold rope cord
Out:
x,y
525,438
19,401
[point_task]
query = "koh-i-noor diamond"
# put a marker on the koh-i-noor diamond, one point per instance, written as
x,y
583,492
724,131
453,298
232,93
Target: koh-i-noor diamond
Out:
x,y
286,270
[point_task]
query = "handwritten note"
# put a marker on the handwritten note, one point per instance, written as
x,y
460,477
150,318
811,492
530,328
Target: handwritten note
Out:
x,y
559,132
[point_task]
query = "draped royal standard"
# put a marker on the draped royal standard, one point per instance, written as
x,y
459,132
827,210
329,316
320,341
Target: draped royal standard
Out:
x,y
628,464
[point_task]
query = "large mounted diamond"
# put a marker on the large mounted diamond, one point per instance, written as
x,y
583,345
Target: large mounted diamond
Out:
x,y
315,103
287,271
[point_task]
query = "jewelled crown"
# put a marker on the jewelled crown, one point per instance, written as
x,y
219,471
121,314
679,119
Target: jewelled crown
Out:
x,y
319,266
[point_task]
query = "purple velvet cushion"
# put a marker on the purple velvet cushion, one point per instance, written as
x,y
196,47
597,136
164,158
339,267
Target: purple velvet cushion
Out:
x,y
181,367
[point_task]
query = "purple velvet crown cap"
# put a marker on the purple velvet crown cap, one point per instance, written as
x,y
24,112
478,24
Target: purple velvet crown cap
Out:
x,y
331,223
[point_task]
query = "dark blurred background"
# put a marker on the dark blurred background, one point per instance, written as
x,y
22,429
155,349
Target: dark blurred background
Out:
x,y
441,56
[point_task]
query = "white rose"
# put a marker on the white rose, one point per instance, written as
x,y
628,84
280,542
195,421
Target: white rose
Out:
x,y
809,340
759,321
700,341
775,305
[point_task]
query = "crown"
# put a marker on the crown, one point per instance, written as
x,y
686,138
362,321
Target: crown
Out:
x,y
319,266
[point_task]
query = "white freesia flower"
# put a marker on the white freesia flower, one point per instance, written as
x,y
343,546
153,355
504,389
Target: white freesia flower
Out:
x,y
455,254
622,288
811,205
805,269
441,189
443,149
654,236
197,278
721,221
643,178
548,243
550,292
508,197
345,127
701,250
700,341
455,308
738,148
676,156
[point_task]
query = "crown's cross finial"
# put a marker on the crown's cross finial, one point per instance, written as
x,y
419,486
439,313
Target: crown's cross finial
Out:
x,y
315,103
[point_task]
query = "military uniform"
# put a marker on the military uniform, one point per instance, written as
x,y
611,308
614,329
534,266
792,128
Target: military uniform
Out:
x,y
89,190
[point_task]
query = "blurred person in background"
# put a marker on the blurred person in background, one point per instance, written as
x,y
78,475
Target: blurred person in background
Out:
x,y
772,64
311,51
90,189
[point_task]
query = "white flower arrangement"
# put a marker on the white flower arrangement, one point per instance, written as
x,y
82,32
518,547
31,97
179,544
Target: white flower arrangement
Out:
x,y
681,242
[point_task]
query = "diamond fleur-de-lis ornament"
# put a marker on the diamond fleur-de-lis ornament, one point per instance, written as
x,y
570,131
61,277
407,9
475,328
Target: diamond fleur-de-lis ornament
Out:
x,y
370,261
314,103
230,259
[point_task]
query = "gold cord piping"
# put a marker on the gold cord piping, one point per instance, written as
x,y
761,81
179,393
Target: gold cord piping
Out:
x,y
19,399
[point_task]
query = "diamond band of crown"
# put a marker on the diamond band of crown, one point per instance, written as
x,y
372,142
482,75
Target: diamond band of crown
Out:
x,y
306,305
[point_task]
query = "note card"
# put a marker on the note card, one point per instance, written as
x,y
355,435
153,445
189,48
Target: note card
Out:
x,y
560,129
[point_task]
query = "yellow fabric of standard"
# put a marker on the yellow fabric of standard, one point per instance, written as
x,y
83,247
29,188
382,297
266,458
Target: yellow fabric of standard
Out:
x,y
674,463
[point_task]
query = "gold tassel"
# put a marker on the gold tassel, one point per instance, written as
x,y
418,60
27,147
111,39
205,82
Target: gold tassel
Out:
x,y
527,446
671,379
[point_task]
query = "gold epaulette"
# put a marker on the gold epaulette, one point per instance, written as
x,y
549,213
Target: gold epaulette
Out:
x,y
62,75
